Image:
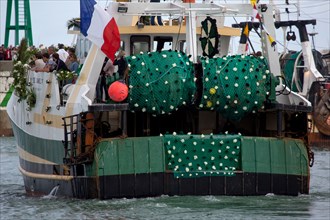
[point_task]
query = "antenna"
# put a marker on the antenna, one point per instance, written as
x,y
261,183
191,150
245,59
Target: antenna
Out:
x,y
298,9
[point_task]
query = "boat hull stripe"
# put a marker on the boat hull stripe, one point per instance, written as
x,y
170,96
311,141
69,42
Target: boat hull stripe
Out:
x,y
37,149
45,176
32,158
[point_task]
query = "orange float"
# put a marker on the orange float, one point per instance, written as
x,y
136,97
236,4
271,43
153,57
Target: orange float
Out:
x,y
118,91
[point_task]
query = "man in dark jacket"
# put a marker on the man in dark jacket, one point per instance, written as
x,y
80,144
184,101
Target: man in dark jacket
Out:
x,y
122,63
60,65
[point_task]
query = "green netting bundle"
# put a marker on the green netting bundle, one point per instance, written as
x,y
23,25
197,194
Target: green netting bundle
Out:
x,y
235,85
203,155
160,82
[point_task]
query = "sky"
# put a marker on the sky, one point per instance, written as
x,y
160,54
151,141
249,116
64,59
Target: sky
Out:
x,y
49,19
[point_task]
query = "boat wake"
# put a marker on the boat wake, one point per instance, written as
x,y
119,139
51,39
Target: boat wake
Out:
x,y
52,193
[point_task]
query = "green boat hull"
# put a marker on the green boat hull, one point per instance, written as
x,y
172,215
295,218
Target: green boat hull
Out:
x,y
139,167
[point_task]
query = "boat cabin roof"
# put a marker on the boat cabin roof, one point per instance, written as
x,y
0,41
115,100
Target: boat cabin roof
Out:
x,y
148,29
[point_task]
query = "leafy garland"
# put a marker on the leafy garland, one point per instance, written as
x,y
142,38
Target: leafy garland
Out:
x,y
74,23
23,89
65,75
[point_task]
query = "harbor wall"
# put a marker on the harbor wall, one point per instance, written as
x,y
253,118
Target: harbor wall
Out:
x,y
6,80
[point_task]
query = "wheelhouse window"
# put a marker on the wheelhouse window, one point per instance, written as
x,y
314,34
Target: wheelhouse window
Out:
x,y
183,46
162,43
140,44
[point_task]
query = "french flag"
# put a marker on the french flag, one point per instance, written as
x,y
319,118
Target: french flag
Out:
x,y
99,27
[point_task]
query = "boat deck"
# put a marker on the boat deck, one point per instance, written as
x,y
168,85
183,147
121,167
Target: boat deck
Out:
x,y
108,107
269,107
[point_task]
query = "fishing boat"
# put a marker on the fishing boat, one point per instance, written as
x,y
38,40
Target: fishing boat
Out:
x,y
197,121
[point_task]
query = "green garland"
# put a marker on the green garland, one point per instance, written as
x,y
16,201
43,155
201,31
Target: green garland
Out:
x,y
23,89
64,75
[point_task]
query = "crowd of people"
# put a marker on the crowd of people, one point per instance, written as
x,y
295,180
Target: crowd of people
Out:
x,y
7,53
49,59
55,59
46,59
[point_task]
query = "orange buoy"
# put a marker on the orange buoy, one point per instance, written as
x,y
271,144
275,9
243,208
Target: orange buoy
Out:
x,y
118,91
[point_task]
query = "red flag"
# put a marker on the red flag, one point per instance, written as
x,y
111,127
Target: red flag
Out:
x,y
255,11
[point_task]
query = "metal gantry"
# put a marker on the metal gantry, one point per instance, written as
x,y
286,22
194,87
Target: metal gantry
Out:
x,y
22,21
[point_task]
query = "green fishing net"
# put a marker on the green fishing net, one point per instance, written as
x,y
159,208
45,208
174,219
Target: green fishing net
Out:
x,y
203,155
235,85
160,82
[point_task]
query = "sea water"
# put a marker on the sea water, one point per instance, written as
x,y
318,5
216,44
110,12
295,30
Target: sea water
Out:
x,y
15,204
